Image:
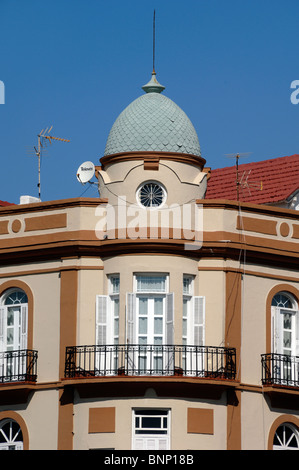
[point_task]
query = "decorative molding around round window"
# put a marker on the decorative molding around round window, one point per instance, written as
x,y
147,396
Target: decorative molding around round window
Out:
x,y
151,194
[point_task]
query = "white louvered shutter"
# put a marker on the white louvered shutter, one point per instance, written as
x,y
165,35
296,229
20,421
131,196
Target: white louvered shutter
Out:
x,y
277,330
101,320
2,328
297,333
131,318
24,326
199,321
169,339
2,340
132,354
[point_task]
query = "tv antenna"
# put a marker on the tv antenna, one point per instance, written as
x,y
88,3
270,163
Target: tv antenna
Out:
x,y
242,183
43,138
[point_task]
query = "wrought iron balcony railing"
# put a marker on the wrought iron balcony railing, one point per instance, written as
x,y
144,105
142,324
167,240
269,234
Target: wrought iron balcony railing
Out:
x,y
18,366
138,360
280,369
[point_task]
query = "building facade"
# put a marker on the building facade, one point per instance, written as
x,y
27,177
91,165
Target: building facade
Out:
x,y
158,316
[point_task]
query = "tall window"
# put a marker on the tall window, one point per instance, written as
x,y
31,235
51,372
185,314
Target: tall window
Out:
x,y
13,331
151,429
11,437
285,324
193,326
114,306
150,323
107,313
187,305
193,314
285,336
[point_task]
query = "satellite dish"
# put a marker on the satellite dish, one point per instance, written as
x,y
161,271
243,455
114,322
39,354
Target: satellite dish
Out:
x,y
85,172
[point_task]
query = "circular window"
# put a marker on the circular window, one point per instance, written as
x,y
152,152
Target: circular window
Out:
x,y
151,194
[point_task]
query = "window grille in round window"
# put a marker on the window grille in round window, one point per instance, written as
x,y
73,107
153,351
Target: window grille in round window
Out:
x,y
151,194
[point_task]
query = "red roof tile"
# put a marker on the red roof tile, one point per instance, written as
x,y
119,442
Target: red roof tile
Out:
x,y
268,181
5,203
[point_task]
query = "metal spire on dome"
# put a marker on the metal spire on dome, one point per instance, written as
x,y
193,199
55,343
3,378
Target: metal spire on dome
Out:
x,y
153,86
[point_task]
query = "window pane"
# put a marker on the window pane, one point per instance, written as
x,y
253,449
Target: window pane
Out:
x,y
151,283
281,300
151,422
287,339
187,285
16,297
114,284
184,327
158,341
116,327
287,321
143,306
143,325
10,316
158,306
158,326
185,307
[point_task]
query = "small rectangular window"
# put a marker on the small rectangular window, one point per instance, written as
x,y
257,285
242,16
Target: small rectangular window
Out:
x,y
150,283
114,284
151,429
151,421
187,284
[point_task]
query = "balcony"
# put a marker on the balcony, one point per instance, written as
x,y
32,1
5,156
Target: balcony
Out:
x,y
18,366
280,369
150,360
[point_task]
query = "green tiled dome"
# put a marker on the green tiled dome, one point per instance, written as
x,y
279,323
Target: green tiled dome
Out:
x,y
155,123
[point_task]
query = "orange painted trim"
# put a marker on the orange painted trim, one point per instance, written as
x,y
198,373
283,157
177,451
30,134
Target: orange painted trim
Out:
x,y
4,227
233,306
200,421
248,273
68,332
101,420
18,418
51,205
46,222
251,224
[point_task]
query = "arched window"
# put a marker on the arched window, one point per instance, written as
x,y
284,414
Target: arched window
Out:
x,y
11,437
13,333
285,324
286,437
285,336
13,320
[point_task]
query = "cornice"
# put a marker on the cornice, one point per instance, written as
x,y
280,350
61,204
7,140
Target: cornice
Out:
x,y
186,158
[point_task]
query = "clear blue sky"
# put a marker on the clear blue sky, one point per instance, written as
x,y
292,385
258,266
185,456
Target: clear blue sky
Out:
x,y
77,64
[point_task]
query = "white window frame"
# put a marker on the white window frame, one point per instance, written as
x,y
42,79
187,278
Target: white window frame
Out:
x,y
284,371
105,329
105,316
149,440
193,326
12,368
277,325
132,319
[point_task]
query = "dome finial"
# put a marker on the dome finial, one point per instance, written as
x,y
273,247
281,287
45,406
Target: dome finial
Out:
x,y
153,86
